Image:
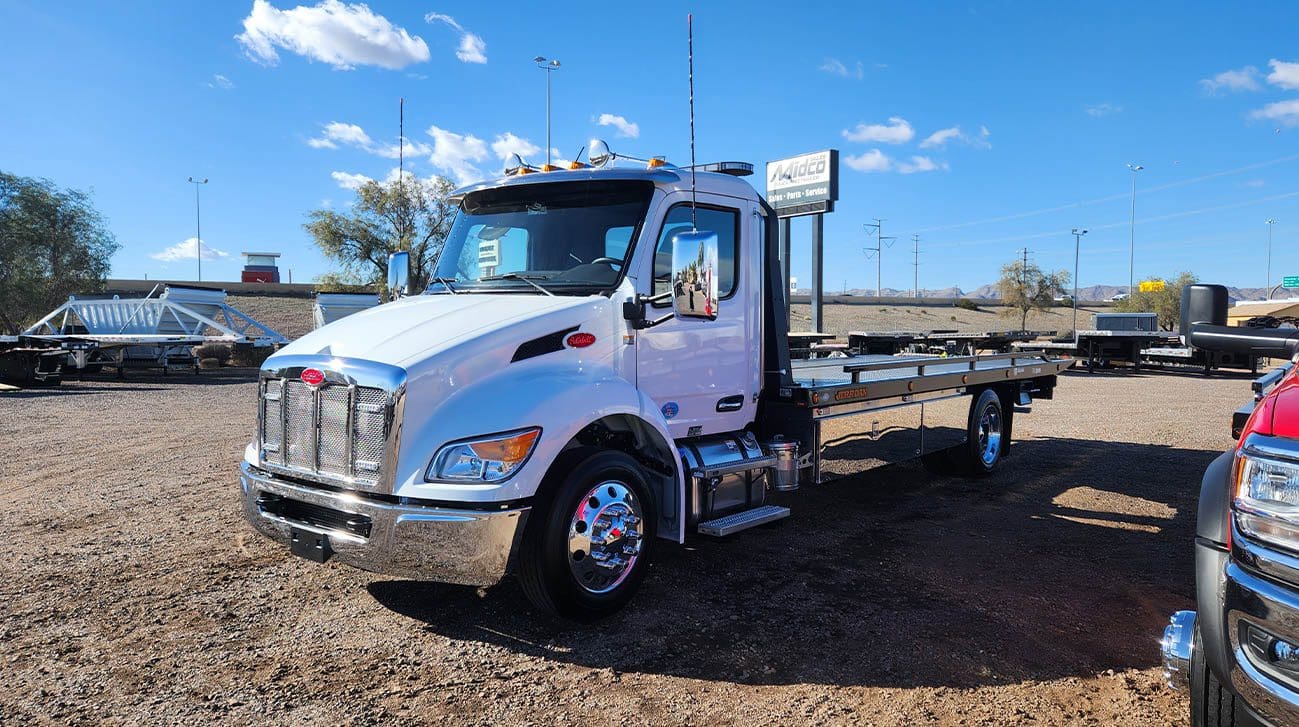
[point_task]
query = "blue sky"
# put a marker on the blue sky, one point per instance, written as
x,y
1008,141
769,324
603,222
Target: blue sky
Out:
x,y
1049,102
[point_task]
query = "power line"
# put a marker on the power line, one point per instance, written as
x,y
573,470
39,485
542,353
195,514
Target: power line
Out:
x,y
879,252
1112,197
915,239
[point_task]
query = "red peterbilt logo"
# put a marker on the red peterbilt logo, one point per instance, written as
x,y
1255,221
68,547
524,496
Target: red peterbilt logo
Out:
x,y
312,377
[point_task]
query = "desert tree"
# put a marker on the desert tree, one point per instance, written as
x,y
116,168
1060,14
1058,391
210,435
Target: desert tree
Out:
x,y
1167,303
1024,287
53,243
410,214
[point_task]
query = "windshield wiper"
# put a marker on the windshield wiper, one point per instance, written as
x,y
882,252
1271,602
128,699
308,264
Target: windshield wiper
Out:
x,y
447,282
529,279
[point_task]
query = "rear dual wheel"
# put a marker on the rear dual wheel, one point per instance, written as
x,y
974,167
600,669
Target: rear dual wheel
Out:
x,y
586,549
986,437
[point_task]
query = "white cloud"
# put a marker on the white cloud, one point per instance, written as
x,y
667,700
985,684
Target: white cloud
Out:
x,y
1241,79
221,82
941,137
920,164
186,251
1254,183
473,49
1285,113
456,154
625,128
897,131
836,67
342,35
507,144
337,133
1284,74
1102,109
871,161
350,181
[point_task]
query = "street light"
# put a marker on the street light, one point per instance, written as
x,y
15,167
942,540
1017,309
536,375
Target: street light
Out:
x,y
1270,222
198,228
1077,242
547,65
1132,225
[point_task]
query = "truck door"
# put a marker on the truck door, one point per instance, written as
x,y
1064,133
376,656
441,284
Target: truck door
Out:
x,y
704,375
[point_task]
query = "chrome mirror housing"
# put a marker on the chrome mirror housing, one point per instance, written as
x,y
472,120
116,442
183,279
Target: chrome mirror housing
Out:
x,y
694,275
398,274
599,153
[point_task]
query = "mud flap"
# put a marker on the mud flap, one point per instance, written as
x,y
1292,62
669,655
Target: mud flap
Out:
x,y
309,545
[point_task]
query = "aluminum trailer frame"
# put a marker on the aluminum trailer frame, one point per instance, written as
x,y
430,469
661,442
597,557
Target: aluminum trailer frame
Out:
x,y
151,331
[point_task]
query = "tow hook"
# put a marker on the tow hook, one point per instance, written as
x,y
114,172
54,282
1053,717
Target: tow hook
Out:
x,y
1176,648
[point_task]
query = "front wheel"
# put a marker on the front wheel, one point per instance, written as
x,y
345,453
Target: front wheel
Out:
x,y
585,551
1212,704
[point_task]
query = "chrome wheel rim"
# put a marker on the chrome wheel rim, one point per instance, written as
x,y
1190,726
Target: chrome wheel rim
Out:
x,y
605,537
989,435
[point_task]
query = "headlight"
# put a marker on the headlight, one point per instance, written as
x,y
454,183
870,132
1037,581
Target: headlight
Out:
x,y
1267,500
486,459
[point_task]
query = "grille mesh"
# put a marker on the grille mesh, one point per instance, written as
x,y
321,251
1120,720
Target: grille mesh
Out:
x,y
307,429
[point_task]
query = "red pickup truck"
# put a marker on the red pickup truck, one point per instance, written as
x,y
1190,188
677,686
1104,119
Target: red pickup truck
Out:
x,y
1238,653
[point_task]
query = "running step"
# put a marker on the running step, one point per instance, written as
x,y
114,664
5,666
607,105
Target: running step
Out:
x,y
731,524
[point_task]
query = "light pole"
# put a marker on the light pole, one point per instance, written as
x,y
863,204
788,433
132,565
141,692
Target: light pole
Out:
x,y
1132,225
1270,222
1077,242
198,226
547,65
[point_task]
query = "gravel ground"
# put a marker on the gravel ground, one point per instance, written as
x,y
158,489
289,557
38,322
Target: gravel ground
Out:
x,y
134,593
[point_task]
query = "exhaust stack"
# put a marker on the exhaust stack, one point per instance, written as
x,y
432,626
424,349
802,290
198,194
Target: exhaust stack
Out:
x,y
1204,325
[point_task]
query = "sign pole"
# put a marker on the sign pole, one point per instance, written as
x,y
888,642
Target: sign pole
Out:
x,y
818,228
784,260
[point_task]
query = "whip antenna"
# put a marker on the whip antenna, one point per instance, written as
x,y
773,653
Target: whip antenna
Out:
x,y
690,53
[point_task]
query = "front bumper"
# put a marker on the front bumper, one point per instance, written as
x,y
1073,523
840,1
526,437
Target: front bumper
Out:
x,y
1262,624
424,542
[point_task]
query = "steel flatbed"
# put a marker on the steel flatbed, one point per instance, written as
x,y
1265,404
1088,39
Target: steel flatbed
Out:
x,y
829,381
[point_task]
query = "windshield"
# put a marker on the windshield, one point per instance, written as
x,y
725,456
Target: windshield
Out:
x,y
566,237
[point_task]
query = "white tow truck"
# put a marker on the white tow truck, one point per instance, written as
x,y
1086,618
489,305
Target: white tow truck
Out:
x,y
599,364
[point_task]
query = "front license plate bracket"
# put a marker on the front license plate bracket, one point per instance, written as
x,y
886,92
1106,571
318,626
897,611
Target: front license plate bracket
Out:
x,y
309,545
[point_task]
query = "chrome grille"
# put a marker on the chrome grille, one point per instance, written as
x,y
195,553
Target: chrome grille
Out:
x,y
335,432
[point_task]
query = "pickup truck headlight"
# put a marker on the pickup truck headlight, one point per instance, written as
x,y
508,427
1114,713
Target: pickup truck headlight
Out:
x,y
1267,500
486,459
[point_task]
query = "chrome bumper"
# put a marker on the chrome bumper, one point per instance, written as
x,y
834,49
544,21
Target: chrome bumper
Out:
x,y
1260,673
469,547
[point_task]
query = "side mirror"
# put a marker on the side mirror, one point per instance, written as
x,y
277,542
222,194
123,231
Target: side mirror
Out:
x,y
694,275
399,275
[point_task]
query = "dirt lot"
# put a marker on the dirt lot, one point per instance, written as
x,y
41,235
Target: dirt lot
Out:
x,y
133,593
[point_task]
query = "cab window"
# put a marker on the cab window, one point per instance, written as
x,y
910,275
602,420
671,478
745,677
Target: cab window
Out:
x,y
724,222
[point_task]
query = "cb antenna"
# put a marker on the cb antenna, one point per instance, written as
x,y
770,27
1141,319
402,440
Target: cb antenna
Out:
x,y
690,54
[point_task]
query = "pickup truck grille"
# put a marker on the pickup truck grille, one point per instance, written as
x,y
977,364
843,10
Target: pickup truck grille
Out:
x,y
334,432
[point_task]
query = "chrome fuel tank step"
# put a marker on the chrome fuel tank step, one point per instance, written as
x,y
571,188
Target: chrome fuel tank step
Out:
x,y
743,520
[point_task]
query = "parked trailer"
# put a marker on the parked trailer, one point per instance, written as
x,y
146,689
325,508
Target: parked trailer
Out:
x,y
943,342
330,307
559,413
150,332
34,361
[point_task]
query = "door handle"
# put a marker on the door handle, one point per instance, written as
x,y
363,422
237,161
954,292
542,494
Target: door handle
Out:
x,y
730,403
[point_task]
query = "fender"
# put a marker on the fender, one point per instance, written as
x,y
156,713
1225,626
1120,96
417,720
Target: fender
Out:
x,y
561,398
1212,522
1213,516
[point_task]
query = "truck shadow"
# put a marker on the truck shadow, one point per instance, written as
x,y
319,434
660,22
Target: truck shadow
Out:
x,y
1066,562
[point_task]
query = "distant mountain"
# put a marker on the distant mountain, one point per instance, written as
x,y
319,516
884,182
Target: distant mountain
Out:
x,y
1091,293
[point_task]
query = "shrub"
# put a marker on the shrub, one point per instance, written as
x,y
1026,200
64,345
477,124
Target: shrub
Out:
x,y
250,356
219,352
967,304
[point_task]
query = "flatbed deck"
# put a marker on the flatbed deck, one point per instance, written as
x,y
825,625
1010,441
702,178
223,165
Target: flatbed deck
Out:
x,y
821,382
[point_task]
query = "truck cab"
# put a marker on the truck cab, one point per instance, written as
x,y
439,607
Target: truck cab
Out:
x,y
598,364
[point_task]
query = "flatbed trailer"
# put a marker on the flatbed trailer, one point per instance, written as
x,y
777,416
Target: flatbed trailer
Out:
x,y
953,343
1101,348
1199,358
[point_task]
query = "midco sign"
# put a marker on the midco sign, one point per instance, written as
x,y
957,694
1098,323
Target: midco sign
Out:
x,y
804,185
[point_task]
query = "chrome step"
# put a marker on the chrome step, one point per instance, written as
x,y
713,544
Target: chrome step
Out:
x,y
723,526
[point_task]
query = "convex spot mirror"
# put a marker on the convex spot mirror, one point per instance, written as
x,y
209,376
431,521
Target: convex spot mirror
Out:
x,y
694,275
398,274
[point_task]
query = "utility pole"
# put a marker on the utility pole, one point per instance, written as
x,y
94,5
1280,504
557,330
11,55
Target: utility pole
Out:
x,y
198,226
915,240
879,253
1270,222
1077,242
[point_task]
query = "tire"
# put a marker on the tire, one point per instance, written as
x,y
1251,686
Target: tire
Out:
x,y
1212,704
588,492
986,437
